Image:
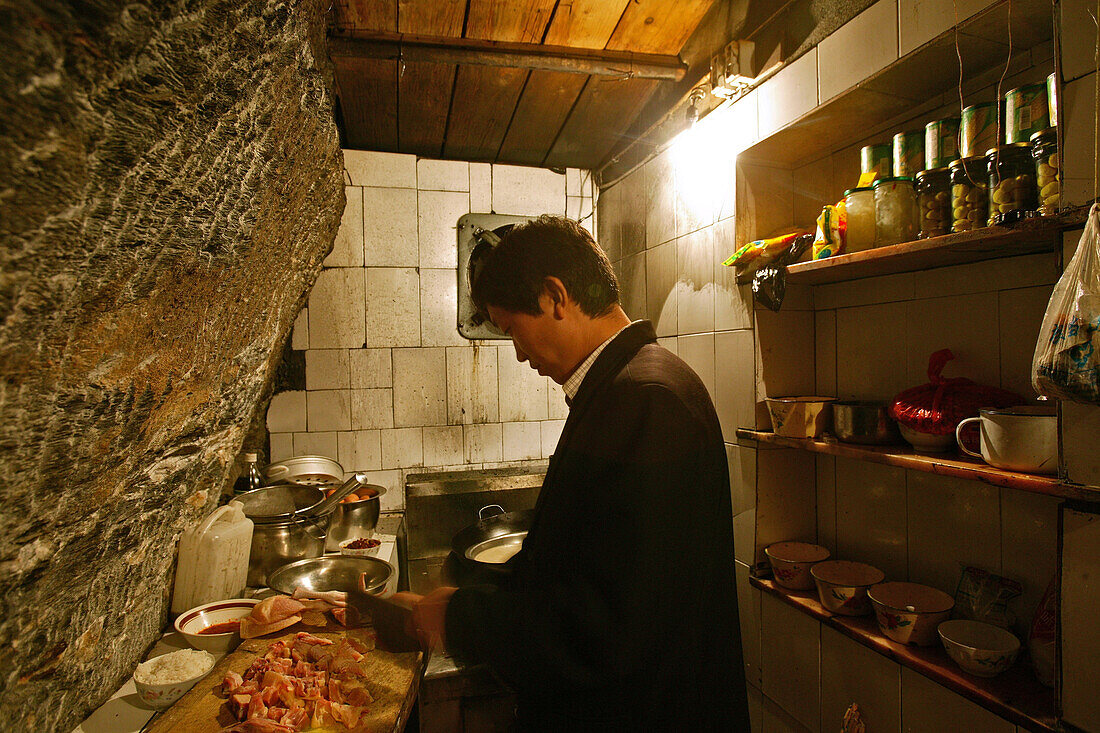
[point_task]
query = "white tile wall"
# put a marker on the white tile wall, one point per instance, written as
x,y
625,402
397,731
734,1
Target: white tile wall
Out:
x,y
439,308
328,409
1078,37
632,232
871,516
551,431
380,169
852,673
660,288
522,392
748,612
371,409
922,20
927,706
522,190
788,95
481,188
858,49
347,249
734,383
392,313
360,450
389,228
790,660
328,369
659,195
438,218
370,368
336,310
695,291
442,175
1079,169
419,387
403,447
483,443
522,441
299,339
472,385
287,413
698,351
443,445
316,444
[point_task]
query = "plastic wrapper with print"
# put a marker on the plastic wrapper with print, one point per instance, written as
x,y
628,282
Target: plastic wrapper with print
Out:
x,y
1066,364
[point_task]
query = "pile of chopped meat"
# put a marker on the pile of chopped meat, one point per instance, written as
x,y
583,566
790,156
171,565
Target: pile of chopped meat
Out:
x,y
309,683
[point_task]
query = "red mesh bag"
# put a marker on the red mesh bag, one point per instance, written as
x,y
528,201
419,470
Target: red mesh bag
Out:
x,y
937,407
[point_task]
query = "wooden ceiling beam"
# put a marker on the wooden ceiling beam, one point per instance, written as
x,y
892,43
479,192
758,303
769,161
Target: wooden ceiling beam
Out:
x,y
465,51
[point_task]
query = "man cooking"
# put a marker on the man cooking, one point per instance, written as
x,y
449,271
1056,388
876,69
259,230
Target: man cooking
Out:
x,y
620,611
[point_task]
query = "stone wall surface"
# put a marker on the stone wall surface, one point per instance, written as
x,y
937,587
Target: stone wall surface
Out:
x,y
170,181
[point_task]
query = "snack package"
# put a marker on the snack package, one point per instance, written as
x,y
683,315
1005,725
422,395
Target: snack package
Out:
x,y
754,255
984,596
832,227
941,404
769,283
1066,364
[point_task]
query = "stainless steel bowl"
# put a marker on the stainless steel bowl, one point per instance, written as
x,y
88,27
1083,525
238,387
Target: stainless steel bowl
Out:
x,y
866,423
354,519
331,572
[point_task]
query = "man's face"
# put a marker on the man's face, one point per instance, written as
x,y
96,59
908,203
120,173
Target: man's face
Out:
x,y
539,340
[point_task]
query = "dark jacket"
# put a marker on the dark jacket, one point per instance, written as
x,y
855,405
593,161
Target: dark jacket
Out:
x,y
621,610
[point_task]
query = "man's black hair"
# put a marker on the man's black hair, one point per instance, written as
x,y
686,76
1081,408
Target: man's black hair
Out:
x,y
513,274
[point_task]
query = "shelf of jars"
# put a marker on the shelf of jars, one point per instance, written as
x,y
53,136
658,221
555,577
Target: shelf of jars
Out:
x,y
1015,695
1030,236
945,464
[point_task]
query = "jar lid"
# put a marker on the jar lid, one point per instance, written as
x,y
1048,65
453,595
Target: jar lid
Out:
x,y
857,189
969,160
931,172
1042,135
892,179
1004,148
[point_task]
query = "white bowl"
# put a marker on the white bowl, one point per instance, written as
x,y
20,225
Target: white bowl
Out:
x,y
981,649
842,585
791,563
909,613
927,442
190,623
362,552
161,696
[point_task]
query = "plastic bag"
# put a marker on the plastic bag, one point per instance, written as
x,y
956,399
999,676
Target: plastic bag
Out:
x,y
769,284
1066,364
937,407
832,230
984,596
754,255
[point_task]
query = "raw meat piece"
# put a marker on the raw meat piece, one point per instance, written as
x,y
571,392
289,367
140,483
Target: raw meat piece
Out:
x,y
259,725
316,605
231,682
275,608
296,719
341,615
250,629
314,618
335,597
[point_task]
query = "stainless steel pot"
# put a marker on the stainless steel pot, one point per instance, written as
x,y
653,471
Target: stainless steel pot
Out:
x,y
866,423
304,471
494,533
354,519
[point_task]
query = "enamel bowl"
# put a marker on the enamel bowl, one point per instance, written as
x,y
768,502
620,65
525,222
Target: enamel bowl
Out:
x,y
800,417
981,649
791,563
909,613
160,696
842,585
190,623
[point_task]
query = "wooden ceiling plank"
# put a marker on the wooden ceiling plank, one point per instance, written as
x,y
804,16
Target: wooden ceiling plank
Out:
x,y
604,111
472,52
658,26
585,23
369,103
484,100
520,21
366,15
431,17
424,98
539,116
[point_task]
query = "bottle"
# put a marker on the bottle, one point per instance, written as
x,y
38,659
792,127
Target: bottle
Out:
x,y
213,558
250,474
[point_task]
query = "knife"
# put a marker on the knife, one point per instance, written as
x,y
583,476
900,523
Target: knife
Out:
x,y
390,620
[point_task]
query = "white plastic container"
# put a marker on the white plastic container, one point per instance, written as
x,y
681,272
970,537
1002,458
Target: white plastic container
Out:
x,y
213,559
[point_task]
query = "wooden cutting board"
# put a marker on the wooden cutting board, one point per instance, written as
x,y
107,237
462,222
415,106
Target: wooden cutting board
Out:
x,y
393,680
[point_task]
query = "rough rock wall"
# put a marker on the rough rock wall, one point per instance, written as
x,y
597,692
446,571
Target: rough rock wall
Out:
x,y
170,180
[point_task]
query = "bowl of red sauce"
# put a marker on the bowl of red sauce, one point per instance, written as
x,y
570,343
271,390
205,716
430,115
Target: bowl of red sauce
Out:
x,y
360,547
215,627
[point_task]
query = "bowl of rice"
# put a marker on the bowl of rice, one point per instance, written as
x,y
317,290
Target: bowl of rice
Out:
x,y
163,680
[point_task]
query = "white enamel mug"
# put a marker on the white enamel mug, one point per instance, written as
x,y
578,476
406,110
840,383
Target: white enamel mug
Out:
x,y
1021,439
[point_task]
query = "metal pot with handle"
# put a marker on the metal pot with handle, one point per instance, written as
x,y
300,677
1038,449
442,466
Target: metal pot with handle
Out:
x,y
494,539
290,523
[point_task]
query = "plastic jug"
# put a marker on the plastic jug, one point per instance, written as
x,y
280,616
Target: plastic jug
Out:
x,y
213,558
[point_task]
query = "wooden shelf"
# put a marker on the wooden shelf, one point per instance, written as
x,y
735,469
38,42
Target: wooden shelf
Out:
x,y
1015,695
946,464
1031,236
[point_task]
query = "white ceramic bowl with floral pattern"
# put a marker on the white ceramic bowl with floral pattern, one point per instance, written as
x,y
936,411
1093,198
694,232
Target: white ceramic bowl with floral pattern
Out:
x,y
842,585
161,696
791,563
979,648
909,613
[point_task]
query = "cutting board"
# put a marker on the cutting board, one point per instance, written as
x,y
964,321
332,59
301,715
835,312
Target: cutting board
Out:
x,y
392,680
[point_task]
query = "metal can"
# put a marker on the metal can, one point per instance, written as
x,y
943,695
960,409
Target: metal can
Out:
x,y
969,195
1052,99
908,153
978,129
1026,112
876,158
1048,179
934,198
1012,193
941,143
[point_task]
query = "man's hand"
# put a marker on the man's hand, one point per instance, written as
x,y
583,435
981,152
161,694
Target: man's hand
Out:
x,y
429,615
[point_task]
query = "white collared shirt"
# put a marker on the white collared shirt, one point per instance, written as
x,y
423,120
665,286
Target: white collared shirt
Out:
x,y
573,384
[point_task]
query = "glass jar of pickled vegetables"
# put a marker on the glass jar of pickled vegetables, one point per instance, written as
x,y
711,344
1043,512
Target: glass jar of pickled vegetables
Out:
x,y
1048,179
934,198
895,210
969,195
859,206
1012,193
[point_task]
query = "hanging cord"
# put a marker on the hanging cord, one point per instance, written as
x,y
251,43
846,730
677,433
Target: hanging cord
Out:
x,y
1096,107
